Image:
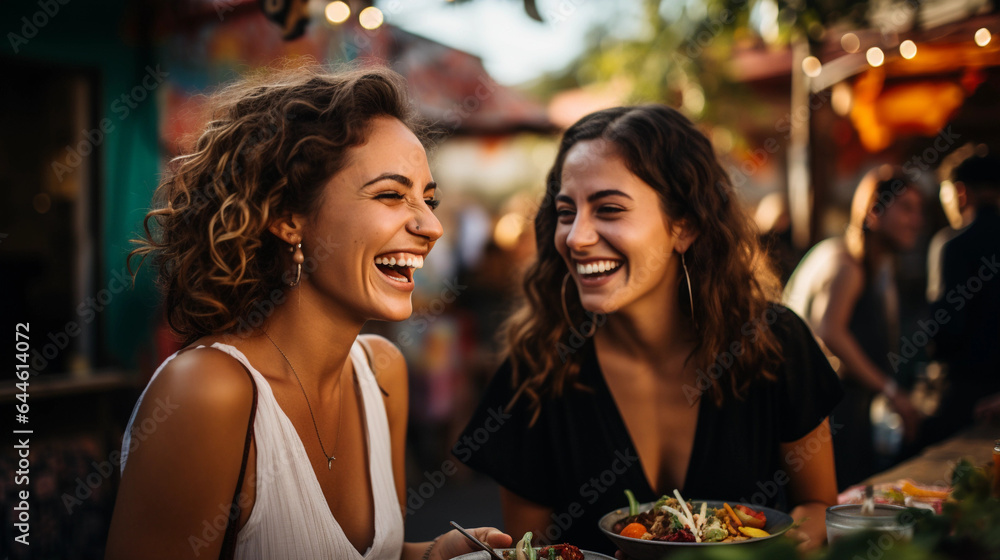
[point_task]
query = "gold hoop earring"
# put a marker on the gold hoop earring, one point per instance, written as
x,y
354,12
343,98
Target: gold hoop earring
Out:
x,y
569,321
298,258
690,293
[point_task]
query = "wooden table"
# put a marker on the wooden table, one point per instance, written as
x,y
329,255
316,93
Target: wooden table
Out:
x,y
934,464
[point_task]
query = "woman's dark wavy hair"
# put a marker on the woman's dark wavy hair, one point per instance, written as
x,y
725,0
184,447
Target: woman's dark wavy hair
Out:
x,y
274,140
731,276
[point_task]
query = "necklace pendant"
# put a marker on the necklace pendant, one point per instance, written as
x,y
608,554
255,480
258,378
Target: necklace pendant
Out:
x,y
329,463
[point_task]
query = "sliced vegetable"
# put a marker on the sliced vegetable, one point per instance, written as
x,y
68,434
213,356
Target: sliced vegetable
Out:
x,y
525,545
913,490
634,531
687,512
754,532
732,515
519,551
633,504
749,517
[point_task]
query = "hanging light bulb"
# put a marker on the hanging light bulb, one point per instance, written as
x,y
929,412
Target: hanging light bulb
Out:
x,y
811,66
983,37
337,12
850,42
875,57
371,18
908,49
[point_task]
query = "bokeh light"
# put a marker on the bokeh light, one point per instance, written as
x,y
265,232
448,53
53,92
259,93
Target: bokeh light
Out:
x,y
371,18
850,42
983,37
812,66
842,99
337,12
875,57
508,230
908,49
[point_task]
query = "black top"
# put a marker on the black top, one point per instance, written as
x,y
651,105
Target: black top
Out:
x,y
579,458
870,324
965,319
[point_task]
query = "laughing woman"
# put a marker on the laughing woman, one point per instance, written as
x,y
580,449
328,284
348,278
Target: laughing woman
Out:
x,y
301,214
668,364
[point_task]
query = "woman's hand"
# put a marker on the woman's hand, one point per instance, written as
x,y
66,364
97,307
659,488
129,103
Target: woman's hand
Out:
x,y
812,485
811,530
453,543
902,404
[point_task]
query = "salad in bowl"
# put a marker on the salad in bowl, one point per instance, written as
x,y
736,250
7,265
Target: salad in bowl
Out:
x,y
655,529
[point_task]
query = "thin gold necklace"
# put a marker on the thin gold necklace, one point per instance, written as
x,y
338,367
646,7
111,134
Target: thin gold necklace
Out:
x,y
340,414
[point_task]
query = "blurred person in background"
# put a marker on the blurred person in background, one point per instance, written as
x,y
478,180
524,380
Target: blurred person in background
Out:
x,y
775,225
845,289
957,210
301,215
650,354
967,309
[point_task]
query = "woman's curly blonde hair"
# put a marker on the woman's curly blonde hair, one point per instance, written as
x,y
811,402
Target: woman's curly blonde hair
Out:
x,y
274,140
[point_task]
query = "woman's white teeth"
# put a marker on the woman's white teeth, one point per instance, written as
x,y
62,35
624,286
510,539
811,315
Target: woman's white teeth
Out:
x,y
410,261
597,267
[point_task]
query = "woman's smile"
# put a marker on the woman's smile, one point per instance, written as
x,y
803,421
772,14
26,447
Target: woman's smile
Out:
x,y
597,272
397,267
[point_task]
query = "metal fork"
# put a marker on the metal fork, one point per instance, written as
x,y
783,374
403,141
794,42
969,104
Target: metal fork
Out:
x,y
477,542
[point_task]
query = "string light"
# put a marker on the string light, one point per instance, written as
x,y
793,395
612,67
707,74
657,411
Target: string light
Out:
x,y
850,42
337,12
371,18
875,57
983,37
812,66
908,49
842,99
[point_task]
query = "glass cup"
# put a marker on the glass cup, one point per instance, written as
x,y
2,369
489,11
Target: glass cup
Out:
x,y
846,519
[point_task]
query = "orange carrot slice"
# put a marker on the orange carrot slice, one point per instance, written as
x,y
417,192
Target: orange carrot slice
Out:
x,y
732,514
909,488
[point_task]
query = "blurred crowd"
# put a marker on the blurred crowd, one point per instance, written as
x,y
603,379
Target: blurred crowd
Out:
x,y
915,371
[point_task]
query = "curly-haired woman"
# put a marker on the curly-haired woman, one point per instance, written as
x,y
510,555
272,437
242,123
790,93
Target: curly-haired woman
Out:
x,y
278,432
667,363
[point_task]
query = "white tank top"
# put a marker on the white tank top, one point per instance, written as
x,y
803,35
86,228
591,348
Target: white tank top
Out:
x,y
290,517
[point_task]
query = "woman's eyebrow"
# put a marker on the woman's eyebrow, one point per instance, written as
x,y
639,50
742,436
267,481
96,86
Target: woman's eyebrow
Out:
x,y
607,192
401,179
594,196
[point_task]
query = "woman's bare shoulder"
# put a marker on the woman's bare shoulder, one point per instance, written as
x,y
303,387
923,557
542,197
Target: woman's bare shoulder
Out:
x,y
209,384
187,441
390,370
387,360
